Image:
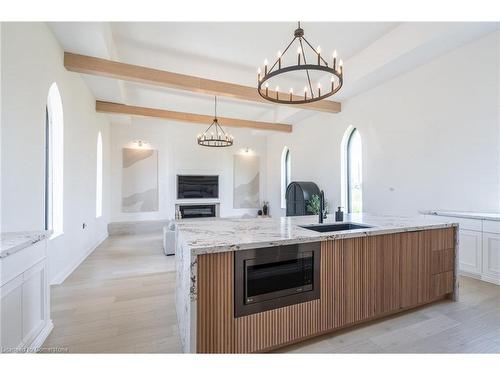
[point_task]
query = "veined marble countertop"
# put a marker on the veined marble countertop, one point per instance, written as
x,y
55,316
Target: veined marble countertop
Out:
x,y
219,235
495,216
12,242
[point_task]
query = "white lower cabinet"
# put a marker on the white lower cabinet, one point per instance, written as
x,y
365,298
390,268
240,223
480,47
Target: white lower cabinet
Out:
x,y
25,301
470,251
478,246
12,313
491,257
34,301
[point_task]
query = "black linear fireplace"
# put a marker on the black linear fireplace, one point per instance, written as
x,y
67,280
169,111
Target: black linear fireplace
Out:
x,y
189,211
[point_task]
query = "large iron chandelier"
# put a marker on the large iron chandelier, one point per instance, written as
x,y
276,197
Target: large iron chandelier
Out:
x,y
302,63
215,136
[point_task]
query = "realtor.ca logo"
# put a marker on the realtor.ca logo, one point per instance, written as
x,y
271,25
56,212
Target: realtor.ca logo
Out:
x,y
33,350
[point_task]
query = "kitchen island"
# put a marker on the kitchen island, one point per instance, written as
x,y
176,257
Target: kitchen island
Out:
x,y
248,285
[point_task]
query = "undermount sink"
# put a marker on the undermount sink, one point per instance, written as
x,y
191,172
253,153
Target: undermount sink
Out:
x,y
334,227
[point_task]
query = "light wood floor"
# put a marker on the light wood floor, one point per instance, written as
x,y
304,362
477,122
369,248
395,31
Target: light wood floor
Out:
x,y
121,300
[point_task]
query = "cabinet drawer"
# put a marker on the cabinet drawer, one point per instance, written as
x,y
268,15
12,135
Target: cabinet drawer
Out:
x,y
469,224
17,263
442,261
491,226
442,283
441,239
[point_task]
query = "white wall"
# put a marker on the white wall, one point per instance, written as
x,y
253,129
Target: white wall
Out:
x,y
31,61
1,127
431,138
314,157
178,153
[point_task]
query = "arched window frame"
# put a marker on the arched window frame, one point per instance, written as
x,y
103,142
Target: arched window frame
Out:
x,y
346,190
99,166
54,165
286,166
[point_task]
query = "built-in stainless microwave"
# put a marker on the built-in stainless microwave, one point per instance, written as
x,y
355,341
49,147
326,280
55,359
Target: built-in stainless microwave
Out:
x,y
274,277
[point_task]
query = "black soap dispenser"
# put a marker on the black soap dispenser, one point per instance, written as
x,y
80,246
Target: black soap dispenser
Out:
x,y
339,215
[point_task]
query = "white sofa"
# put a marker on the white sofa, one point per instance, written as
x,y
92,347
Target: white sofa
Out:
x,y
169,233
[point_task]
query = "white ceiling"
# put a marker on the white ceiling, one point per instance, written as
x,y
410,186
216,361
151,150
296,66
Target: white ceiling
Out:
x,y
245,45
372,53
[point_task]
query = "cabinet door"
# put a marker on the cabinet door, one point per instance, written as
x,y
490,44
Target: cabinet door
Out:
x,y
11,306
416,267
34,301
388,272
491,256
470,251
410,270
360,279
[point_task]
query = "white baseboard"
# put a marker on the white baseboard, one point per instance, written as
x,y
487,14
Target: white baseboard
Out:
x,y
470,274
484,278
63,275
37,343
490,279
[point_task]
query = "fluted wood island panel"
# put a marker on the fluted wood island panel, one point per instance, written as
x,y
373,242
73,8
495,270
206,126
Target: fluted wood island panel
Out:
x,y
361,279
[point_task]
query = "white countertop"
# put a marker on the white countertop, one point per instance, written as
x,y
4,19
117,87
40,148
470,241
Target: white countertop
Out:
x,y
211,236
12,242
495,216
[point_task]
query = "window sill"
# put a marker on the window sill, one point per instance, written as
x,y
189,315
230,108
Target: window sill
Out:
x,y
55,235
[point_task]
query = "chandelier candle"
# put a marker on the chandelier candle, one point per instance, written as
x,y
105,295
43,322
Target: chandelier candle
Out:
x,y
309,59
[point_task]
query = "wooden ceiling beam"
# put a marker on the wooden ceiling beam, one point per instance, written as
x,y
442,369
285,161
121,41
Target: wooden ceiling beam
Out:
x,y
135,73
123,109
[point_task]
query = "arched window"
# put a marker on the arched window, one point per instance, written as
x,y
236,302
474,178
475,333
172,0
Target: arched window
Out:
x,y
98,178
352,194
54,168
285,174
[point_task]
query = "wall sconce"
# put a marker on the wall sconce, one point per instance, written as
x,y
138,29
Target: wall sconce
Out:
x,y
139,143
